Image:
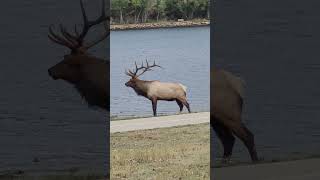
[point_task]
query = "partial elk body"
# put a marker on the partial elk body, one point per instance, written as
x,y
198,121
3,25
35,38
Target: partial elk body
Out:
x,y
156,90
89,74
227,100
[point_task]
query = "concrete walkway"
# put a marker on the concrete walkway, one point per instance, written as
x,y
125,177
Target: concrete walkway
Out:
x,y
308,169
159,122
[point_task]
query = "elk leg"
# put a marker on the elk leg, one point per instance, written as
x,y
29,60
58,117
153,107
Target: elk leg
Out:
x,y
247,138
185,102
226,137
188,107
180,105
154,106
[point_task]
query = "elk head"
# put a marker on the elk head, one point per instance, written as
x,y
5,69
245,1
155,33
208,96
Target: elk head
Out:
x,y
71,67
134,74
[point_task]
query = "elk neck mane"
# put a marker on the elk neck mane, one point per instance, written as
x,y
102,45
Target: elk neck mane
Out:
x,y
94,90
93,95
142,87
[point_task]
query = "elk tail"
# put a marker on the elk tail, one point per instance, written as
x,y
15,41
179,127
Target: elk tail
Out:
x,y
183,87
237,83
240,86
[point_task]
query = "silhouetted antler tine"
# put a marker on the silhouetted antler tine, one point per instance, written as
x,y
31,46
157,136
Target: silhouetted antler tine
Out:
x,y
76,30
75,40
102,17
59,40
88,24
98,40
71,38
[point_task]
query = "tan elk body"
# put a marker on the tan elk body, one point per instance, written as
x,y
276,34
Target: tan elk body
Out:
x,y
227,95
88,74
156,90
164,90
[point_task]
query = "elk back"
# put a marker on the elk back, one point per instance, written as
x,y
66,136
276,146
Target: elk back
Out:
x,y
227,93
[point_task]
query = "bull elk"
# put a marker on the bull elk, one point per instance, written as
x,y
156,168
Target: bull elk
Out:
x,y
88,74
156,90
226,110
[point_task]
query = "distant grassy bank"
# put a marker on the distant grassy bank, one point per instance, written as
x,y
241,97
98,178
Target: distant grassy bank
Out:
x,y
161,24
167,153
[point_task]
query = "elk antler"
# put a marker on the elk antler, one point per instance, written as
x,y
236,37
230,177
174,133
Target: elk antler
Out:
x,y
88,24
142,67
75,41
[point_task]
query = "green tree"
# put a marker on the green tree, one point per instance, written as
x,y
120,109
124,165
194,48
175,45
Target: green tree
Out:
x,y
146,4
121,6
189,7
142,10
160,8
203,9
137,9
173,9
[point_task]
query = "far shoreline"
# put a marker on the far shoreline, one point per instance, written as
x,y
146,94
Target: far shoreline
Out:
x,y
158,25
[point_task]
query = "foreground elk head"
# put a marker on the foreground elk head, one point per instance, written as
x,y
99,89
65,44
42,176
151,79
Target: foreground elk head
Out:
x,y
69,68
156,90
86,72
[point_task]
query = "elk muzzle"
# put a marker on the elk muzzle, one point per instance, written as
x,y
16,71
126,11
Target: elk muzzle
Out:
x,y
52,74
61,71
130,83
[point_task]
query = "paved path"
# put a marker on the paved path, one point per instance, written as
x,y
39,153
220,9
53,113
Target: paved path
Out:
x,y
159,122
308,169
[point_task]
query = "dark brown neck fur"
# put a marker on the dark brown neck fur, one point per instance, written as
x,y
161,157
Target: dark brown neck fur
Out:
x,y
94,88
142,87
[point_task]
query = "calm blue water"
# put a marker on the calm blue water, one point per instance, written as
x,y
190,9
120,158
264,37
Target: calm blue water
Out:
x,y
182,52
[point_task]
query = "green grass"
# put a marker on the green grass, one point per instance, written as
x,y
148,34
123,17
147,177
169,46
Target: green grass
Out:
x,y
166,153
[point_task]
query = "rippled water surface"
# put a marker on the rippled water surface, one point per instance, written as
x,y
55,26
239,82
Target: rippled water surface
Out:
x,y
182,52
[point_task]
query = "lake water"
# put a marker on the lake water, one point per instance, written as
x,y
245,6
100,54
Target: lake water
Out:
x,y
274,46
182,52
44,124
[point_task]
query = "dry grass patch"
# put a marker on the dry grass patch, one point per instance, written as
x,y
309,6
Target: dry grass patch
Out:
x,y
166,153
